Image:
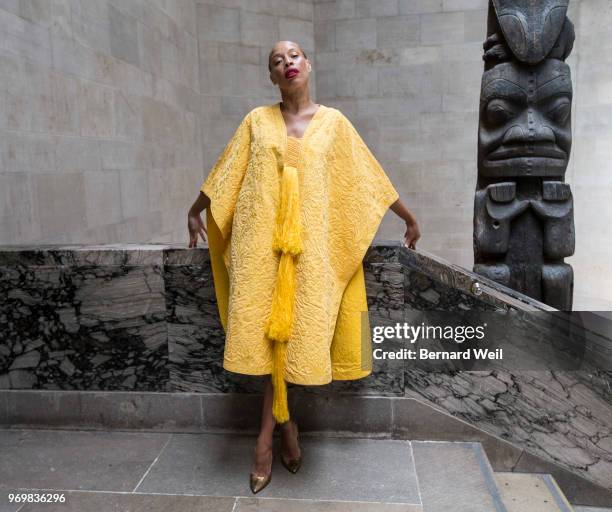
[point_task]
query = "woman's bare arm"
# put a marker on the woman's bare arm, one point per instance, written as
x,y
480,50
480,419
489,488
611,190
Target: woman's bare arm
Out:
x,y
195,226
412,228
399,208
201,203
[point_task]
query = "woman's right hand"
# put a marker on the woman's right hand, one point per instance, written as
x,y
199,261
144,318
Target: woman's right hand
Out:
x,y
196,227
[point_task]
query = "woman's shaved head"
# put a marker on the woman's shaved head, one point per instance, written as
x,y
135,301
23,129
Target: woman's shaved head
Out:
x,y
282,47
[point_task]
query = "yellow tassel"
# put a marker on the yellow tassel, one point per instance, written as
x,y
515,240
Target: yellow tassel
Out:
x,y
287,240
287,236
279,323
280,410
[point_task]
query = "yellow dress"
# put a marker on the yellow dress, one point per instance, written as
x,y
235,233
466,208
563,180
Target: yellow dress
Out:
x,y
343,195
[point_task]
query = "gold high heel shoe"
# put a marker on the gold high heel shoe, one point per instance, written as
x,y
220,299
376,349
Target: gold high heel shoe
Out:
x,y
293,465
258,482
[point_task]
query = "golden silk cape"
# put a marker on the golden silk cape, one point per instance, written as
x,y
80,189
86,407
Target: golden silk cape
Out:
x,y
337,193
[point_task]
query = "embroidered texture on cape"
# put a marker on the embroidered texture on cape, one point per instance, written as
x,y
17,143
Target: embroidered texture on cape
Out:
x,y
343,195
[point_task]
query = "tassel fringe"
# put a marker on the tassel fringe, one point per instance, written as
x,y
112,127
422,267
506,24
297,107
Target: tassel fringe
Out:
x,y
287,236
287,240
279,323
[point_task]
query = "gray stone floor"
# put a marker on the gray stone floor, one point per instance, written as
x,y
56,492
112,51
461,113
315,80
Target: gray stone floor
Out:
x,y
592,509
99,471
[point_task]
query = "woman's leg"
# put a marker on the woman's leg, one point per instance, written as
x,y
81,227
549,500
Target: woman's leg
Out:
x,y
263,449
290,448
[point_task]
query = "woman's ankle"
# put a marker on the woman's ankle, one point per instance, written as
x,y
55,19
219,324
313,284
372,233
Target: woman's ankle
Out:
x,y
265,440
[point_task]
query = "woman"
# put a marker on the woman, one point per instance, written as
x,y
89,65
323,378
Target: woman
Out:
x,y
292,205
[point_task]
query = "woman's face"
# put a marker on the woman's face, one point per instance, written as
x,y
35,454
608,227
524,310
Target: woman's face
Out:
x,y
288,66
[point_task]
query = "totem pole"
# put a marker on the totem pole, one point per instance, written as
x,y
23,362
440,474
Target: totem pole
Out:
x,y
523,209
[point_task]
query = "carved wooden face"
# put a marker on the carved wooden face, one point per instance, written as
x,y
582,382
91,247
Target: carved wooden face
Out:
x,y
525,120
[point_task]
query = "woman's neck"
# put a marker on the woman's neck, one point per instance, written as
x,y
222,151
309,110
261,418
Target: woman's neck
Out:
x,y
297,103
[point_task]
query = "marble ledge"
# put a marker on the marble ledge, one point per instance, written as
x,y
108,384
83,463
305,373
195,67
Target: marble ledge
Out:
x,y
43,255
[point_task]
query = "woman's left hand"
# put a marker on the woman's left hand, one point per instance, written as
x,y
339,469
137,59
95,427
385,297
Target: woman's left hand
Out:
x,y
412,234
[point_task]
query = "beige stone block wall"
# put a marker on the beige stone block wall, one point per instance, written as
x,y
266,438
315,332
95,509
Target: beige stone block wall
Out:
x,y
407,74
590,169
100,129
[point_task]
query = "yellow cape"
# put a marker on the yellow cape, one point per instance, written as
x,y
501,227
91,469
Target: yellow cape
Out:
x,y
343,195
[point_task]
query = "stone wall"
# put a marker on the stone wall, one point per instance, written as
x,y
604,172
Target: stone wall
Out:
x,y
590,168
99,120
407,73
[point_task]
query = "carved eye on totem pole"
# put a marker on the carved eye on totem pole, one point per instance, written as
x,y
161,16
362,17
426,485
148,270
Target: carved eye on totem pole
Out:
x,y
525,120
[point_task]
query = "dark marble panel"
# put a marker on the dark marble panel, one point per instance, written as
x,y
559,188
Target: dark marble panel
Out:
x,y
422,292
383,251
385,289
83,327
457,278
71,255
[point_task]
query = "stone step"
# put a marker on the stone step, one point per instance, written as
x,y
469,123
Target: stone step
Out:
x,y
591,509
455,476
77,501
80,501
531,492
324,414
128,470
334,469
